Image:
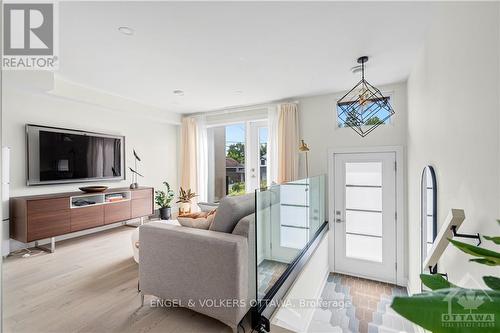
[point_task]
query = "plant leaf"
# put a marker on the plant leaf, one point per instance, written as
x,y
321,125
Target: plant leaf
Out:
x,y
495,240
484,261
435,281
492,282
476,251
429,310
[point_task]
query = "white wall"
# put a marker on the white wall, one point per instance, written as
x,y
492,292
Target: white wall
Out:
x,y
318,127
453,125
33,97
307,286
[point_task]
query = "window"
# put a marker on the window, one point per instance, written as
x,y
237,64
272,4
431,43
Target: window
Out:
x,y
263,157
235,159
368,115
237,162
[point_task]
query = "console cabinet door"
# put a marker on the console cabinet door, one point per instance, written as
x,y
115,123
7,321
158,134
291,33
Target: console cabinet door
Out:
x,y
116,212
87,217
48,224
141,207
142,203
47,218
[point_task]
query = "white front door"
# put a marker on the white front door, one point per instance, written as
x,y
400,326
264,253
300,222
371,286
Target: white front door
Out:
x,y
365,215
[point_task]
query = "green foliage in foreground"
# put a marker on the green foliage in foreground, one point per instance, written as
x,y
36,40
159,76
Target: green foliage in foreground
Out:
x,y
448,308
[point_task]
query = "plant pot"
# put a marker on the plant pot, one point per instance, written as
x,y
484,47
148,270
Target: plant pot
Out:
x,y
184,208
165,213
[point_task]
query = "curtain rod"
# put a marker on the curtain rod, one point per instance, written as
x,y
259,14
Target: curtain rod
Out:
x,y
238,109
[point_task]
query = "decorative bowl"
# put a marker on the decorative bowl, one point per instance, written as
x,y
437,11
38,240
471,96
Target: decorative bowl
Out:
x,y
93,189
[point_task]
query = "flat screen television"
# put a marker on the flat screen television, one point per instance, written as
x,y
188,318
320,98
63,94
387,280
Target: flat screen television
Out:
x,y
57,155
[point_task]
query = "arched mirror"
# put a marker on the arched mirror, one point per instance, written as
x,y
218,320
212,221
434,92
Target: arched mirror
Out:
x,y
429,211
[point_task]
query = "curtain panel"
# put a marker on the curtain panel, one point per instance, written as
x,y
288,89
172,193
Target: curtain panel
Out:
x,y
288,142
194,159
189,139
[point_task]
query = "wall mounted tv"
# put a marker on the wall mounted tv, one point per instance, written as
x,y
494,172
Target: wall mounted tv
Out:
x,y
57,155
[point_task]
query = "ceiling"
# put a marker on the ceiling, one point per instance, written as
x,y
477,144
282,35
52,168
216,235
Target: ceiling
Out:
x,y
228,54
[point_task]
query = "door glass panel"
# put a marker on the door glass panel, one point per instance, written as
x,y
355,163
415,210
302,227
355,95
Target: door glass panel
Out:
x,y
364,247
294,194
363,210
368,223
295,238
369,173
364,198
295,216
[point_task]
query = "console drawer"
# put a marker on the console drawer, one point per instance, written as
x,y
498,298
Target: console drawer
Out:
x,y
48,224
87,217
116,212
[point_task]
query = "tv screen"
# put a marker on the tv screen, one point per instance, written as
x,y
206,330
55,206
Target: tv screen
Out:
x,y
63,155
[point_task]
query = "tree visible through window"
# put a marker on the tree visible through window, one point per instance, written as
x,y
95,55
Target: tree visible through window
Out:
x,y
235,159
353,120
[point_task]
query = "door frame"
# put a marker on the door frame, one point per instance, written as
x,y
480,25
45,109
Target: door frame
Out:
x,y
252,158
401,224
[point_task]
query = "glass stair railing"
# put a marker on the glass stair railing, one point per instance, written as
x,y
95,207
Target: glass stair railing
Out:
x,y
290,217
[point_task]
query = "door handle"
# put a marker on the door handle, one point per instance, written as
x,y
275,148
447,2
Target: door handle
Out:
x,y
338,219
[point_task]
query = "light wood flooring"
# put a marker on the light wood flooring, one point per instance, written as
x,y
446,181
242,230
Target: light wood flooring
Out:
x,y
88,285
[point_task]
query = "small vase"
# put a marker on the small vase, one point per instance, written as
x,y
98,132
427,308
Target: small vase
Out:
x,y
165,213
184,208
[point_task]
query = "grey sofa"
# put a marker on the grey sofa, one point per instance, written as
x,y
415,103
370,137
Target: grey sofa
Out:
x,y
209,271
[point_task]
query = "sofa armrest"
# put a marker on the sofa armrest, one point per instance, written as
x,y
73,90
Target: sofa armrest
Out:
x,y
195,268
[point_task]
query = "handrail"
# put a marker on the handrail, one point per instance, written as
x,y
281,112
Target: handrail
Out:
x,y
454,219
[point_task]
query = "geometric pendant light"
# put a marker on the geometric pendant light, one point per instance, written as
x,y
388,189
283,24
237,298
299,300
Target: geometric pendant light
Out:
x,y
364,108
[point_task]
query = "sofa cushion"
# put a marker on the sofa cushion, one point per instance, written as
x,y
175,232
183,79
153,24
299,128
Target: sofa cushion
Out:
x,y
232,209
245,227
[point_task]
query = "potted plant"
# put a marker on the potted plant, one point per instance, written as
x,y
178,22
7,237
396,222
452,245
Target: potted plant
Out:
x,y
185,201
163,201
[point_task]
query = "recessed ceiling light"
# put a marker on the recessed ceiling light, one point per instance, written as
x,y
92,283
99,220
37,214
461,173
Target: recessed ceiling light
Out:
x,y
178,92
238,92
126,31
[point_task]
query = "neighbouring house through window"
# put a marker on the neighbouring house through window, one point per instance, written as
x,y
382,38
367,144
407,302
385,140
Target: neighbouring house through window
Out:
x,y
239,163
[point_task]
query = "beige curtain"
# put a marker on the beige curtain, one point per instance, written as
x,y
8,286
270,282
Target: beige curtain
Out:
x,y
288,142
189,137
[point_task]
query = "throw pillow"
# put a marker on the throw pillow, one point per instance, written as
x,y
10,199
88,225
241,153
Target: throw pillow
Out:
x,y
199,220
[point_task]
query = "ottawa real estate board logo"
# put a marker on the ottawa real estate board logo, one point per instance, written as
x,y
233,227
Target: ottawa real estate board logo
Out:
x,y
469,309
30,36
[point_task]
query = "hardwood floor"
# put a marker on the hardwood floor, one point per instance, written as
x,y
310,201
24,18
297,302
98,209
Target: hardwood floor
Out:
x,y
88,285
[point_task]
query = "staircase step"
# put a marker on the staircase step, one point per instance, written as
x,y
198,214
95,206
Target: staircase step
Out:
x,y
322,327
397,322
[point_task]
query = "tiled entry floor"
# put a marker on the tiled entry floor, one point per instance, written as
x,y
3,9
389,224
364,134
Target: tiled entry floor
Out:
x,y
269,271
357,305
